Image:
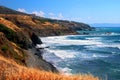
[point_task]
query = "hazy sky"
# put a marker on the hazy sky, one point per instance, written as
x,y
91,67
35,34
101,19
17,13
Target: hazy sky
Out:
x,y
89,11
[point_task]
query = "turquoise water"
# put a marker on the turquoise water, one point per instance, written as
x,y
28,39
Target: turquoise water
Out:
x,y
97,53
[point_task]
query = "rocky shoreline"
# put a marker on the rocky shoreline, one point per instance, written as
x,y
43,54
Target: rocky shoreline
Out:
x,y
35,60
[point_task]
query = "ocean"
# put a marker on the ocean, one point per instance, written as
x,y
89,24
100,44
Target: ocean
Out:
x,y
97,53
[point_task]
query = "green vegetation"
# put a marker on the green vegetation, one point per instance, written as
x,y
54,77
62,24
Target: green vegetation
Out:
x,y
4,48
42,20
16,37
10,34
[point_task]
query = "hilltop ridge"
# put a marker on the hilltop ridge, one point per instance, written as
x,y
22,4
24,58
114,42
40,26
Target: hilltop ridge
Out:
x,y
5,10
66,27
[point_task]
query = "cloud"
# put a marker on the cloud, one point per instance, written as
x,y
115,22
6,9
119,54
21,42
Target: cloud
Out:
x,y
21,10
53,16
40,13
89,17
60,16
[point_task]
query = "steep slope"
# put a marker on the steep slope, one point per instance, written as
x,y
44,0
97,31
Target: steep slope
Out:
x,y
9,70
21,56
10,50
18,36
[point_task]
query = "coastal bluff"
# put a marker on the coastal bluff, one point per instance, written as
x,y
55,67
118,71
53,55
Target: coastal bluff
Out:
x,y
19,34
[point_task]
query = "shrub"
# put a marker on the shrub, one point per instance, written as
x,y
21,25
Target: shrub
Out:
x,y
10,34
17,37
4,48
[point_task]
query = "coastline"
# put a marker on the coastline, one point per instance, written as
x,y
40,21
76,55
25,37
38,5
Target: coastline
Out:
x,y
38,55
35,60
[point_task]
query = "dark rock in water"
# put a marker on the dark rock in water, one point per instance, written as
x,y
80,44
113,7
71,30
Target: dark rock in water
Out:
x,y
41,46
85,33
35,39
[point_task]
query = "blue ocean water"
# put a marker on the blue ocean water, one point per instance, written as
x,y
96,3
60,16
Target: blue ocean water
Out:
x,y
97,53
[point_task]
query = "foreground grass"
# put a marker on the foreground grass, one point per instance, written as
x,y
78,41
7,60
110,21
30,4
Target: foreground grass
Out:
x,y
9,70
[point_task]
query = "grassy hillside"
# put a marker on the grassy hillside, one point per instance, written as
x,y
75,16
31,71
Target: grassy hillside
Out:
x,y
9,70
42,26
10,50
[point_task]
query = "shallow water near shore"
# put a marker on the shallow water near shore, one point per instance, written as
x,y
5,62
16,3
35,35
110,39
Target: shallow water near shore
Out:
x,y
97,53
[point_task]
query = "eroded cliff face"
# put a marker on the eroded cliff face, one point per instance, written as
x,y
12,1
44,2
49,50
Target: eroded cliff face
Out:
x,y
14,42
23,28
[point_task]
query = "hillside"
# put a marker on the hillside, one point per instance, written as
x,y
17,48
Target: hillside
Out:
x,y
14,45
30,24
9,70
5,10
42,26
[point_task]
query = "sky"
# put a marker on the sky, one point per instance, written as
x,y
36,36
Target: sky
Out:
x,y
88,11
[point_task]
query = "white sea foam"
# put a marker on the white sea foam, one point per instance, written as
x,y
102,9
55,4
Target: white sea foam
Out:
x,y
94,38
109,45
63,54
115,33
64,41
105,34
50,56
92,56
65,71
103,45
60,56
98,55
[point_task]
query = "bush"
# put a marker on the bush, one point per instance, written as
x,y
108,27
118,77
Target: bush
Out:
x,y
10,34
17,37
4,48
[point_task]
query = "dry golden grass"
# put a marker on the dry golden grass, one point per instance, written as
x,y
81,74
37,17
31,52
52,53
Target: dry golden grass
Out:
x,y
9,70
9,24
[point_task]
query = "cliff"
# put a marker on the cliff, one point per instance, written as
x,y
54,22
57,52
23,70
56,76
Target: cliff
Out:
x,y
21,56
20,33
